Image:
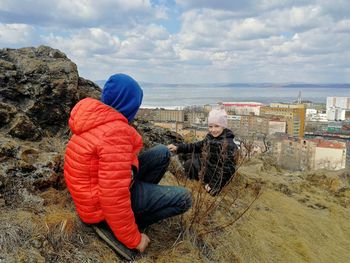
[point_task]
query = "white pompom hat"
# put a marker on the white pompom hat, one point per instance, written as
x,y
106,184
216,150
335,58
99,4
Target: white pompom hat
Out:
x,y
218,117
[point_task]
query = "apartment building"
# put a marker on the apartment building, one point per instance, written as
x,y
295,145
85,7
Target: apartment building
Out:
x,y
310,154
293,114
167,115
338,108
252,124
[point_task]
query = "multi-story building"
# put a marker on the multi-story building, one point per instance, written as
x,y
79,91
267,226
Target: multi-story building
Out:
x,y
243,108
293,114
169,115
337,108
253,125
310,154
336,114
338,102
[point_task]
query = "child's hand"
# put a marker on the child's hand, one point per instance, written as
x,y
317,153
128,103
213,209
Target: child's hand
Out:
x,y
172,148
143,243
207,188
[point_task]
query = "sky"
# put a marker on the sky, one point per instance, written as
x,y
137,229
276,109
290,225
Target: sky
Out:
x,y
184,41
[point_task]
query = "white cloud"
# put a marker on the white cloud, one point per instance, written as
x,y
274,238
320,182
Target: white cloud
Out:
x,y
263,40
250,28
15,34
223,5
297,18
87,42
78,13
342,26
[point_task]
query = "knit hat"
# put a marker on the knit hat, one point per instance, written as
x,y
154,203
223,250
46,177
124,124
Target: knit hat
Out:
x,y
218,117
124,94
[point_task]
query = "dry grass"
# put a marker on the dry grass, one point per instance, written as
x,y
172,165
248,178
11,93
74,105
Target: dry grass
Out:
x,y
297,218
54,234
277,228
201,219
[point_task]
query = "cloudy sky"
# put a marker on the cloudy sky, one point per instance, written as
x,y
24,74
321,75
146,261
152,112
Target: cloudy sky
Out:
x,y
184,41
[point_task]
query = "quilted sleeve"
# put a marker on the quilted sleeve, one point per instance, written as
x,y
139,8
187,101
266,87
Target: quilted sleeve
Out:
x,y
137,141
191,147
116,154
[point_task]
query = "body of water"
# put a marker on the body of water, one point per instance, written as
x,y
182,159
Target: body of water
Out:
x,y
181,96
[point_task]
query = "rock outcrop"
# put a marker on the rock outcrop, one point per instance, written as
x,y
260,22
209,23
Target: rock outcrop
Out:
x,y
38,87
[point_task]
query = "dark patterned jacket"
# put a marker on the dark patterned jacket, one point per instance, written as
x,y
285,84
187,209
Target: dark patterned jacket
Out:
x,y
216,162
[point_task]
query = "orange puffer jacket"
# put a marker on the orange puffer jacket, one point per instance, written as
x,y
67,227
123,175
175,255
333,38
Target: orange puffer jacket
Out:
x,y
97,167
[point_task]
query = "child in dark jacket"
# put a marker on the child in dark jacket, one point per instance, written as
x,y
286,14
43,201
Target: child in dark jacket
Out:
x,y
213,159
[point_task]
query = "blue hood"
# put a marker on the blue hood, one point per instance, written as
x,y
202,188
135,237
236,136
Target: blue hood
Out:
x,y
124,94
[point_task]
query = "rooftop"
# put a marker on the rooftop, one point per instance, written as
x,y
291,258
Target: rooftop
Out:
x,y
329,144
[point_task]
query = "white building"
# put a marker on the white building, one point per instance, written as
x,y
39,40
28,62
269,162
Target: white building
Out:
x,y
243,108
322,117
337,107
310,112
336,114
338,102
315,115
330,155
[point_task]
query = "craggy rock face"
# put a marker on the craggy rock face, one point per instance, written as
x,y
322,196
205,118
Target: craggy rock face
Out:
x,y
38,88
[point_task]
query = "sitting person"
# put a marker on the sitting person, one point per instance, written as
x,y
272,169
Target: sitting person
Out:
x,y
115,189
213,159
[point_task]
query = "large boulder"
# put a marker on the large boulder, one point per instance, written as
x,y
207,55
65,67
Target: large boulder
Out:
x,y
38,88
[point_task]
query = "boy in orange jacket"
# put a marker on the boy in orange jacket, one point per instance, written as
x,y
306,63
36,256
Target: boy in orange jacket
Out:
x,y
113,187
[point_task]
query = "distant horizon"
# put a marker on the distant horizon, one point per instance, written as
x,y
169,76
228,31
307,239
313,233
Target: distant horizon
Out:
x,y
182,95
239,84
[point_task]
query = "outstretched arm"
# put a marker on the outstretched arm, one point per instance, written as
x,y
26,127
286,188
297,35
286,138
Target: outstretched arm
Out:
x,y
191,147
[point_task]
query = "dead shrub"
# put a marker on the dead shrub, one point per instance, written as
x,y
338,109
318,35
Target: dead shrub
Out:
x,y
212,214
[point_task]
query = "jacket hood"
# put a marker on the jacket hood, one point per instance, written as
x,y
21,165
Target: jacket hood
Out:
x,y
124,94
90,113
